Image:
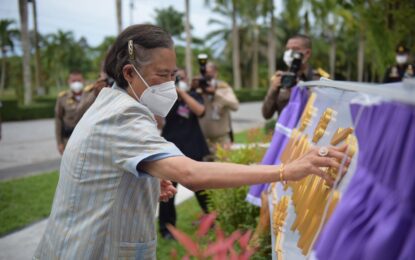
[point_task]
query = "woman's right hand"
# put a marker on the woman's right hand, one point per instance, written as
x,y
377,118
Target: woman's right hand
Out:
x,y
312,162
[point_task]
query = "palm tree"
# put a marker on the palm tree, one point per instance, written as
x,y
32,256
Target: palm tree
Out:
x,y
26,51
250,11
235,44
329,14
271,41
233,5
7,35
57,54
118,9
188,40
38,69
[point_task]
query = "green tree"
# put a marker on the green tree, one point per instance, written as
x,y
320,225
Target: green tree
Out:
x,y
63,53
330,17
170,20
100,52
234,7
7,36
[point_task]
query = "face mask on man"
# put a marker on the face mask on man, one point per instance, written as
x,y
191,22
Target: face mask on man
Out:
x,y
76,87
401,59
183,86
288,57
158,98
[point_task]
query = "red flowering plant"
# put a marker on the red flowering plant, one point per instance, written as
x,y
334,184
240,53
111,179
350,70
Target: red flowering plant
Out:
x,y
234,247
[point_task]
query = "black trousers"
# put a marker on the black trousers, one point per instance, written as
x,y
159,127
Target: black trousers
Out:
x,y
167,210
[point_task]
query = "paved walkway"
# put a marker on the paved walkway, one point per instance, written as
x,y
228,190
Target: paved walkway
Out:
x,y
29,147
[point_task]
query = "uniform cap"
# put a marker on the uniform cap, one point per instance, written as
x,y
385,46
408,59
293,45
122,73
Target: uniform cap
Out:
x,y
401,49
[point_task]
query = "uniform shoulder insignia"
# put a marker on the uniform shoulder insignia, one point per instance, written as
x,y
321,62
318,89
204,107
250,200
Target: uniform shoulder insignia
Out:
x,y
89,87
62,93
323,73
222,84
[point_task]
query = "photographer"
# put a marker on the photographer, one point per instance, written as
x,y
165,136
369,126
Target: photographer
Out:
x,y
296,56
182,129
219,100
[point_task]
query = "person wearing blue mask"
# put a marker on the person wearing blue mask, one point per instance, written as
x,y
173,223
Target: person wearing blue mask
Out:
x,y
116,166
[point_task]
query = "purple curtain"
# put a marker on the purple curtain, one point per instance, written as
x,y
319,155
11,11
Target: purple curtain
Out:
x,y
288,119
375,219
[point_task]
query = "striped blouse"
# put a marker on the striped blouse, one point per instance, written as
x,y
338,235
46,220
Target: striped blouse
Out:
x,y
104,206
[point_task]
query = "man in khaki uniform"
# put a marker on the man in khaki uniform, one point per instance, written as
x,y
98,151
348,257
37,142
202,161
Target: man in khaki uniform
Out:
x,y
219,100
277,97
70,106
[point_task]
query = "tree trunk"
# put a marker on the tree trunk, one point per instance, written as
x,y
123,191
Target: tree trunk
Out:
x,y
3,71
26,52
349,71
131,12
332,56
118,8
188,42
271,44
255,59
235,51
361,55
38,69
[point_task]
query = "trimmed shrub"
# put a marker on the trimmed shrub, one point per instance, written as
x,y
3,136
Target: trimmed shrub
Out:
x,y
249,95
42,108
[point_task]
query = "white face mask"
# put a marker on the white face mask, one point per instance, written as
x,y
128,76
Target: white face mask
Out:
x,y
401,59
158,98
288,57
183,86
76,86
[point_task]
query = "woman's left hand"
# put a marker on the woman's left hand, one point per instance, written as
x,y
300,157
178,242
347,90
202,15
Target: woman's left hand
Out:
x,y
167,190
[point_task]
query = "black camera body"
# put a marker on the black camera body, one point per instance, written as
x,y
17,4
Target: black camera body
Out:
x,y
203,82
177,80
289,79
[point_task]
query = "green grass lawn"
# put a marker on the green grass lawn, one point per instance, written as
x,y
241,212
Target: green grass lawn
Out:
x,y
26,200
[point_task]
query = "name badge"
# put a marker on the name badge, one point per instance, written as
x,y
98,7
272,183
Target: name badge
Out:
x,y
183,111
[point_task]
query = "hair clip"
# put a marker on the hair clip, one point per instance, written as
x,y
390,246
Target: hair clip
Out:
x,y
131,49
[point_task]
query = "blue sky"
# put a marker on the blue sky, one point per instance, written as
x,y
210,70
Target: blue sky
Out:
x,y
95,19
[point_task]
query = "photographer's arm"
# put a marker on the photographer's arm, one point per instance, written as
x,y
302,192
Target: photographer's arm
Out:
x,y
226,97
270,104
197,108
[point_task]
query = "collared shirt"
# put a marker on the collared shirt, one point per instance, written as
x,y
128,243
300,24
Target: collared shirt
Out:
x,y
216,123
104,207
69,109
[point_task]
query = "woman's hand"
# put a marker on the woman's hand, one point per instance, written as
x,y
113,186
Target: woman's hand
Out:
x,y
313,161
167,190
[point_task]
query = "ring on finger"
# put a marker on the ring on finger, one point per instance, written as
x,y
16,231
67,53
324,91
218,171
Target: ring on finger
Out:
x,y
323,151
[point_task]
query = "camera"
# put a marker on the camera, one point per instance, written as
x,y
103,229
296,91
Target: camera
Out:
x,y
177,80
289,79
203,82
